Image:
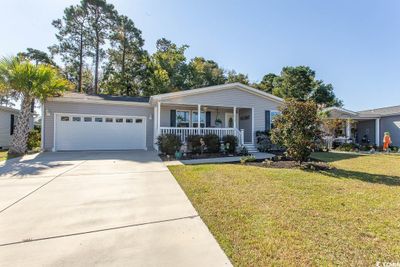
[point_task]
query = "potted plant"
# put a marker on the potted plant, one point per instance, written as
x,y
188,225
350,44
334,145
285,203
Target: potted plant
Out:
x,y
218,122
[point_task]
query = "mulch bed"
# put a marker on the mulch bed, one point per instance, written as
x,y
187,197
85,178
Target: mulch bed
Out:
x,y
189,156
285,163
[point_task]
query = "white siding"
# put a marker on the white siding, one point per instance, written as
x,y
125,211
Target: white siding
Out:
x,y
5,120
231,98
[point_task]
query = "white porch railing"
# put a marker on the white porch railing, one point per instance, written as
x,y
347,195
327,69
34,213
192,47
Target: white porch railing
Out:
x,y
185,132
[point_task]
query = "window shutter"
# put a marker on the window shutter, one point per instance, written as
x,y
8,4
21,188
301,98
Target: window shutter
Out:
x,y
208,119
12,123
173,118
267,120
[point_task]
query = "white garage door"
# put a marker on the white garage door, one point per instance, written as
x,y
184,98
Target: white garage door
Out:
x,y
97,132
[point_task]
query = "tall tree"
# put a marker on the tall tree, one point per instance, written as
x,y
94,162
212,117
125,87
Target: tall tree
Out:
x,y
123,72
323,95
37,56
234,77
295,82
101,17
267,83
74,38
204,72
28,82
168,68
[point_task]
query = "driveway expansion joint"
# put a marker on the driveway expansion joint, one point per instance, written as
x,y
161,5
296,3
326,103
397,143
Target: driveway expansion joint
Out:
x,y
28,240
43,185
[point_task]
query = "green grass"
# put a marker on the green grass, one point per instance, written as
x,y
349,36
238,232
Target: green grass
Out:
x,y
289,217
4,155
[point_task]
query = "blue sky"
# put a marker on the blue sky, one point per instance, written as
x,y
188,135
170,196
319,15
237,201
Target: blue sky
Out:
x,y
355,45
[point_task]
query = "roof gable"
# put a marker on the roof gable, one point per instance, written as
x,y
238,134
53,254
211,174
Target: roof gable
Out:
x,y
216,88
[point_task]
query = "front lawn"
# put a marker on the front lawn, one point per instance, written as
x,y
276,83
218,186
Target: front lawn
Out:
x,y
286,217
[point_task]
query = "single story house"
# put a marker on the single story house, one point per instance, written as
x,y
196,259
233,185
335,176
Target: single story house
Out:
x,y
100,122
369,126
8,119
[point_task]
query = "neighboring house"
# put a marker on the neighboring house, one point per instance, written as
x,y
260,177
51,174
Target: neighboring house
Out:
x,y
369,126
99,122
8,119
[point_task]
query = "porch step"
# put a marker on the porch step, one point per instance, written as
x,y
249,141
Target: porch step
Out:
x,y
251,148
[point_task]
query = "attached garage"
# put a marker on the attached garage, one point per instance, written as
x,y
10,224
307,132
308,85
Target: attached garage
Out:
x,y
84,122
99,132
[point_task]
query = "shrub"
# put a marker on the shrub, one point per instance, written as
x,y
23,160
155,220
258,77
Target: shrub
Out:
x,y
263,139
348,147
245,159
193,143
34,138
297,128
232,140
212,143
169,143
243,151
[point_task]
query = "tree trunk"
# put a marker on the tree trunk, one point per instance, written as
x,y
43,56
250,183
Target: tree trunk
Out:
x,y
123,68
96,69
20,136
80,62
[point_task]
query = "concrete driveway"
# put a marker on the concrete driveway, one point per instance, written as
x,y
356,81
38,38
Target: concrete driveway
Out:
x,y
99,208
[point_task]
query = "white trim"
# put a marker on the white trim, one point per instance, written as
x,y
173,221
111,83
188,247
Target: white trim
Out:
x,y
377,131
198,116
216,88
155,129
341,110
234,116
158,117
42,127
95,115
252,126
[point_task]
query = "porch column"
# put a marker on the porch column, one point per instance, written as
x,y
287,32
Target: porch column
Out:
x,y
234,117
198,117
348,128
377,132
155,130
158,116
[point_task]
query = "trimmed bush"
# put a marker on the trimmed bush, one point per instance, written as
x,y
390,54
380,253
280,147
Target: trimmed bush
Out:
x,y
245,159
233,142
193,143
212,143
348,147
169,143
34,138
263,139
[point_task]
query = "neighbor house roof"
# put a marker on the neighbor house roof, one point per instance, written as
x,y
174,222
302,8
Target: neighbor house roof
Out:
x,y
386,111
8,109
216,88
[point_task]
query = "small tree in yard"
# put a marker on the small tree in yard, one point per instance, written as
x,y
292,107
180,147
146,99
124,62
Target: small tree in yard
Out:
x,y
28,82
297,128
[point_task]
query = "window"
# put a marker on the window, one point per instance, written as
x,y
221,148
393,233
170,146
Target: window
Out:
x,y
273,114
76,118
138,120
64,118
98,119
109,119
87,119
182,118
119,120
129,120
195,118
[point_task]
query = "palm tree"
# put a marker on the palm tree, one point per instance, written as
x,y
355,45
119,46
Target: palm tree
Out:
x,y
28,82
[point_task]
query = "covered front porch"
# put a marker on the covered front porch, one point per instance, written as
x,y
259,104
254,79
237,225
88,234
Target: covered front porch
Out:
x,y
354,128
184,120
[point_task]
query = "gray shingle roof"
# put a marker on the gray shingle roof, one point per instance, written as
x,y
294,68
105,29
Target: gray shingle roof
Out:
x,y
387,111
73,95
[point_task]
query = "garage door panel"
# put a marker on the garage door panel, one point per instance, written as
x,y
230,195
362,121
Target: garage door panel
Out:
x,y
93,135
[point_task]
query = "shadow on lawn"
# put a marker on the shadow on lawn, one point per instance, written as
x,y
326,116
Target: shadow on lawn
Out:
x,y
365,177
